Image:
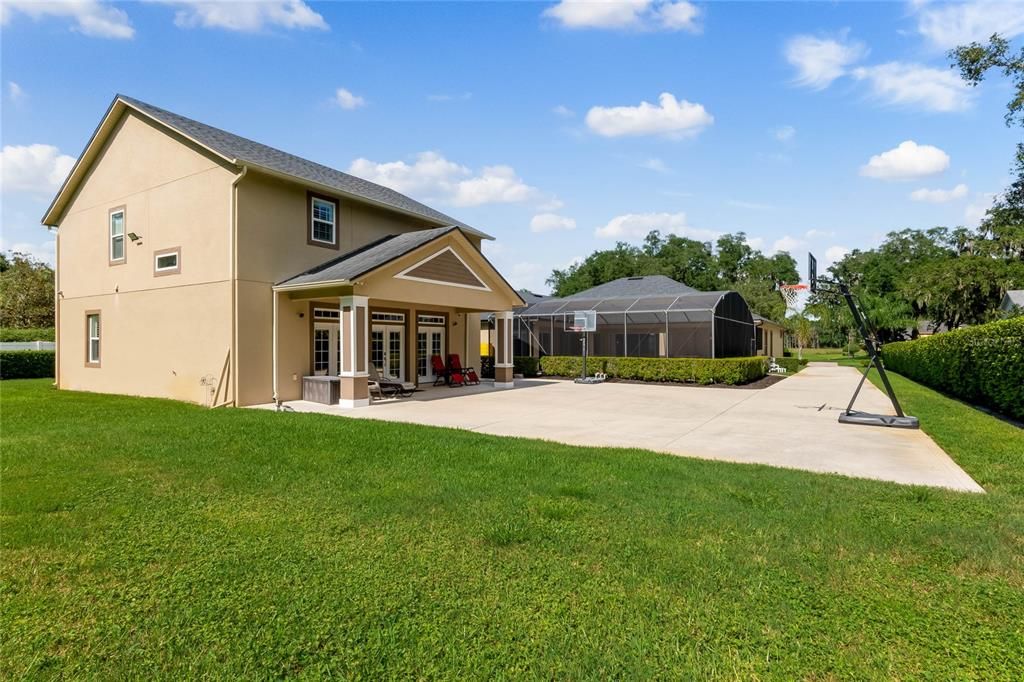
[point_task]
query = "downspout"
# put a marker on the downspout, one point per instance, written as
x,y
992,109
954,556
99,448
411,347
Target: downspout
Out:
x,y
274,339
56,310
233,220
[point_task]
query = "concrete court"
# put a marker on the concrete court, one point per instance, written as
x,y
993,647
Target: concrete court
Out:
x,y
791,424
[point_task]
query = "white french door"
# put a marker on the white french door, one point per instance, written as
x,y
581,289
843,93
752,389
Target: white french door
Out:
x,y
387,350
429,342
326,346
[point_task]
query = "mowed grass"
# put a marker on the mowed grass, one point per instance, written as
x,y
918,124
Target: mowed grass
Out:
x,y
151,539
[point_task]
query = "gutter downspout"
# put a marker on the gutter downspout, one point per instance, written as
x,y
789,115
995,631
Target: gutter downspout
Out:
x,y
56,309
276,401
233,220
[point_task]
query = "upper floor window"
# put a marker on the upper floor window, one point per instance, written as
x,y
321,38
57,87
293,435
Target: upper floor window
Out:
x,y
117,254
167,262
323,221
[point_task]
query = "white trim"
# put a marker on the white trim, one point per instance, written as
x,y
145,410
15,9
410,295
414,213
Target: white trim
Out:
x,y
403,274
335,318
349,403
320,285
383,317
430,320
168,254
90,338
110,236
313,220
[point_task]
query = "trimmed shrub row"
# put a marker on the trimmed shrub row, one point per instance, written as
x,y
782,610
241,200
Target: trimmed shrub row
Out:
x,y
792,365
983,365
525,365
33,334
686,370
26,364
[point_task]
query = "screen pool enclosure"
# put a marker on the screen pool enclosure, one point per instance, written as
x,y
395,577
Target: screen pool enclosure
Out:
x,y
702,324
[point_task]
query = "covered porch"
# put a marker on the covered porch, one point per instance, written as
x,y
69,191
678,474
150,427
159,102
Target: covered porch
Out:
x,y
387,309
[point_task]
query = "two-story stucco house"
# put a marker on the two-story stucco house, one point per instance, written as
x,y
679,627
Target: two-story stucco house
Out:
x,y
198,265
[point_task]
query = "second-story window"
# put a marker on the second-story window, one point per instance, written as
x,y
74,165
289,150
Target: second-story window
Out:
x,y
117,235
323,218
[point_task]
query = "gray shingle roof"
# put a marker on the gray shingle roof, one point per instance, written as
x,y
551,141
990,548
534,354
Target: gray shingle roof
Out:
x,y
349,266
649,285
245,151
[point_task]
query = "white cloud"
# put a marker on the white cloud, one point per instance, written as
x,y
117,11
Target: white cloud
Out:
x,y
784,133
817,234
45,251
527,275
563,111
347,101
550,204
976,210
788,244
908,161
434,177
637,225
912,84
34,168
833,254
92,18
551,222
756,243
15,92
642,15
244,15
819,61
947,25
655,164
939,196
672,118
495,185
450,98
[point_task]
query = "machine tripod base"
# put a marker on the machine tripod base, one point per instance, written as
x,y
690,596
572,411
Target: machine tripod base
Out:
x,y
868,419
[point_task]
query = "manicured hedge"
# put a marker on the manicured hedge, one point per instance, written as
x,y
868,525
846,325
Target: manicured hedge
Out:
x,y
34,334
525,365
26,364
792,365
983,365
686,370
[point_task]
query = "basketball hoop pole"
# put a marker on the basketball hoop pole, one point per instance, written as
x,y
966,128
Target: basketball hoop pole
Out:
x,y
584,375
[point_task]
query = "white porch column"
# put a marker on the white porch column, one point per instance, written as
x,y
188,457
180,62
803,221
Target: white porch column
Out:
x,y
503,350
354,330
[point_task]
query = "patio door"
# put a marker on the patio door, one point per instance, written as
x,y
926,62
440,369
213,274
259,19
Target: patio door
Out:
x,y
429,342
387,350
326,346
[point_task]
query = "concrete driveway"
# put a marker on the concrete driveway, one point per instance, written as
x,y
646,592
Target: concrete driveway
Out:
x,y
791,424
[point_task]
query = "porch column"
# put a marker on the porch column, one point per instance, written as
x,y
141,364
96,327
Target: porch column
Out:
x,y
354,352
503,349
412,327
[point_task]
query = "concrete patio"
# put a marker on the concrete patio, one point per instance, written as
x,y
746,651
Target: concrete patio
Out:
x,y
791,424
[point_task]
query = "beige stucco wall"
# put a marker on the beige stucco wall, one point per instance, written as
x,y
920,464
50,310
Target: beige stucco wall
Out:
x,y
772,340
160,334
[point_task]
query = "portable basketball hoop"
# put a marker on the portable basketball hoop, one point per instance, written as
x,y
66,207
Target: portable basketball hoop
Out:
x,y
874,348
584,321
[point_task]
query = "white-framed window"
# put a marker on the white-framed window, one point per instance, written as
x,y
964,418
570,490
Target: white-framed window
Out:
x,y
328,314
117,216
431,319
388,317
323,226
167,262
92,333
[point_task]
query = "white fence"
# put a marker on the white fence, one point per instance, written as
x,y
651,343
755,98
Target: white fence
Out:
x,y
28,345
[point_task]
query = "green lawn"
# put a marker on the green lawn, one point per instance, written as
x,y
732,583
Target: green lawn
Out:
x,y
147,538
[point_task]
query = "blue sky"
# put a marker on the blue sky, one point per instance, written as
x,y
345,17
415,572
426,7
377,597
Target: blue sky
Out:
x,y
816,126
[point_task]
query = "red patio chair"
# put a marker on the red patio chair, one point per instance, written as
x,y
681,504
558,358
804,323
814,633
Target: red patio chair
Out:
x,y
442,375
467,373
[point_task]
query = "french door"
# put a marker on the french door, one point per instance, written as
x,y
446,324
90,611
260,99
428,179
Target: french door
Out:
x,y
326,348
429,341
387,350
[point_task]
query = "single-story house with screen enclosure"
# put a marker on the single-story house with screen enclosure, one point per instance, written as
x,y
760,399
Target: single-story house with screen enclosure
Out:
x,y
199,265
770,336
651,316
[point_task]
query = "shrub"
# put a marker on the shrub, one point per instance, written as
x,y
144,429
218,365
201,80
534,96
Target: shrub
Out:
x,y
525,365
983,365
32,334
686,370
792,365
26,364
